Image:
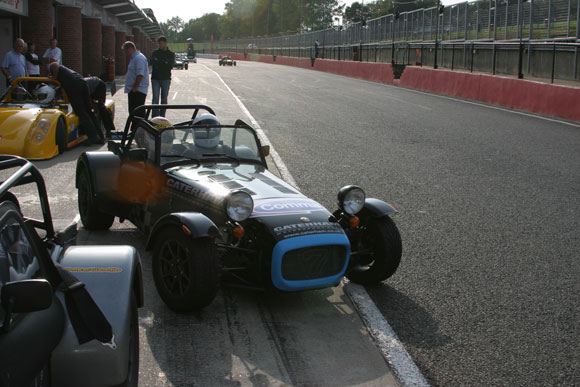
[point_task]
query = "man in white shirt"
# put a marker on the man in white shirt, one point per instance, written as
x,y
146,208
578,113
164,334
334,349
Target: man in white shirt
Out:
x,y
137,77
52,54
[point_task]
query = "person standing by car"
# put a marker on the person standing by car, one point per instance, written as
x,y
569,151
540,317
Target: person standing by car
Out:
x,y
98,93
52,54
162,61
14,63
137,78
77,90
32,62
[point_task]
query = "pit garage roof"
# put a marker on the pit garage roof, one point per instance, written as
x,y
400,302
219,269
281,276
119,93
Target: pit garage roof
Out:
x,y
129,13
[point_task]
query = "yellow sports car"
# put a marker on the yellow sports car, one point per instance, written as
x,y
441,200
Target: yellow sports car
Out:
x,y
36,120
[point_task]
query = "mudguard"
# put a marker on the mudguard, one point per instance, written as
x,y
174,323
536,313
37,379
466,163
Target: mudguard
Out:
x,y
103,169
377,208
198,224
111,275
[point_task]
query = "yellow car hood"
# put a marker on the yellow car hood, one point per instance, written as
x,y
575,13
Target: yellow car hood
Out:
x,y
16,124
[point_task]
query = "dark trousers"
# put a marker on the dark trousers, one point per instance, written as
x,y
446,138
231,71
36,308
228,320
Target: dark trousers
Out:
x,y
80,100
136,99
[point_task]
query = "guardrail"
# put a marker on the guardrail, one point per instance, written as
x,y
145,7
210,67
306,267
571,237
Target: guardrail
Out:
x,y
543,59
540,36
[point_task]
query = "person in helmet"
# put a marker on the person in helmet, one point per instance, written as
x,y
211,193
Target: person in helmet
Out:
x,y
19,94
44,93
207,137
159,123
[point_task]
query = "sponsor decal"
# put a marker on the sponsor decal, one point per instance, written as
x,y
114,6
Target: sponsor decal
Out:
x,y
95,269
273,207
194,192
299,229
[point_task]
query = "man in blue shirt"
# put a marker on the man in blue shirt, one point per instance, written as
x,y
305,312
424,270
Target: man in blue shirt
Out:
x,y
137,78
14,63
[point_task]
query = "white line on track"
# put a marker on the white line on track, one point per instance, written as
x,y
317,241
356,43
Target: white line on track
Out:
x,y
174,96
389,344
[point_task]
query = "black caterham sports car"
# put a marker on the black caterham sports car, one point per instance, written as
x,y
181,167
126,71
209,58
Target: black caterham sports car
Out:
x,y
212,211
227,61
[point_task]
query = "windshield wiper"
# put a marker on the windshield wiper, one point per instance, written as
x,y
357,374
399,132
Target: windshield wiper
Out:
x,y
186,160
232,158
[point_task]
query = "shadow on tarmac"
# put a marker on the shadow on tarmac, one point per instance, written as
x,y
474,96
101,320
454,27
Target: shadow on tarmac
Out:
x,y
405,315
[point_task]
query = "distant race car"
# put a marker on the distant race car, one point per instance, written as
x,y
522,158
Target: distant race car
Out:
x,y
69,312
36,120
181,62
202,194
227,61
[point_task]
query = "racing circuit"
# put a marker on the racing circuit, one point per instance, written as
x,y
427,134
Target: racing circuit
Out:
x,y
487,290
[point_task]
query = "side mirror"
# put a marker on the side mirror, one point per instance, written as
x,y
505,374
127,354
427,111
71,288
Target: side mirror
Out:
x,y
266,150
24,297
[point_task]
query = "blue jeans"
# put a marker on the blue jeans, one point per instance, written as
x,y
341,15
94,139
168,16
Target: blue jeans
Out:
x,y
156,86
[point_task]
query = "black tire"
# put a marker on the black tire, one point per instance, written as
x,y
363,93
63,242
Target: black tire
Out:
x,y
60,135
133,373
382,242
186,66
91,216
185,270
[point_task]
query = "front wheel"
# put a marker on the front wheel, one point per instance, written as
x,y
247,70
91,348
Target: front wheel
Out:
x,y
60,135
133,363
91,216
185,270
379,252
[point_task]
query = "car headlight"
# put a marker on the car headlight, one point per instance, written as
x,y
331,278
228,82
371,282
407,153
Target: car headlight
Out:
x,y
351,199
40,131
239,206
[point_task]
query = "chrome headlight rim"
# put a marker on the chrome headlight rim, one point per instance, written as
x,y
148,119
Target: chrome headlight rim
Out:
x,y
239,206
351,199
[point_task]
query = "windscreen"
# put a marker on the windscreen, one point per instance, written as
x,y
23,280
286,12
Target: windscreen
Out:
x,y
209,142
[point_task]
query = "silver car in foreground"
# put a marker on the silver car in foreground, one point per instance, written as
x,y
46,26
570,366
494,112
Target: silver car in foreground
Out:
x,y
68,313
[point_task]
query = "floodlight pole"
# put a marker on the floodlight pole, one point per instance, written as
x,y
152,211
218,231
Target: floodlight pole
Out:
x,y
436,32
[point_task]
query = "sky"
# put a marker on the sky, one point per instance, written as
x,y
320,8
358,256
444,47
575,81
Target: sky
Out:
x,y
193,9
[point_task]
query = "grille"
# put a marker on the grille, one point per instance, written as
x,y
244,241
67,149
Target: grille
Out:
x,y
313,262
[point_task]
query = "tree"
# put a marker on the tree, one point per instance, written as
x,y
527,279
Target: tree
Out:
x,y
175,24
356,13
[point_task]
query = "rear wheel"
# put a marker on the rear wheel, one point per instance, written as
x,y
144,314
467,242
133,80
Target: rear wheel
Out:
x,y
91,216
185,270
380,252
60,135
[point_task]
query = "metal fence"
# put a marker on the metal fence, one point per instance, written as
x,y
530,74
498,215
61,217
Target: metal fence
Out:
x,y
530,23
493,20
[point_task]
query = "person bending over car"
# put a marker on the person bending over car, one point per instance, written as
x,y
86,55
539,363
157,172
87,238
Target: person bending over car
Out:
x,y
98,92
78,94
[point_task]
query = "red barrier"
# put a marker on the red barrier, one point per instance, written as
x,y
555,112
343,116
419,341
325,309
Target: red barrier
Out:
x,y
378,72
536,97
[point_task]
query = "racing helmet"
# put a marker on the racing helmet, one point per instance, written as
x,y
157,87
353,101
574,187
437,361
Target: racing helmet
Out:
x,y
19,94
159,123
208,137
44,93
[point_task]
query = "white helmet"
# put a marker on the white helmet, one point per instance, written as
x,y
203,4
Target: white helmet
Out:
x,y
44,93
208,137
